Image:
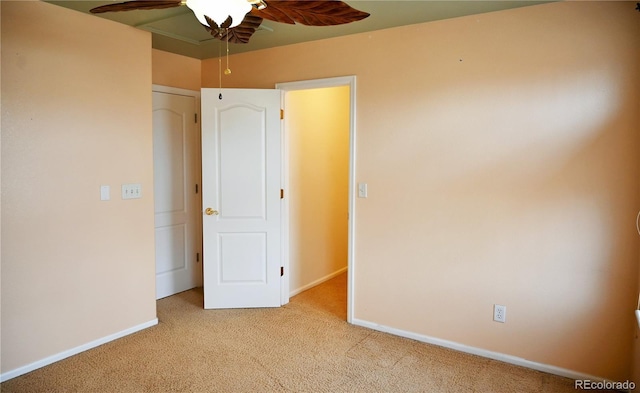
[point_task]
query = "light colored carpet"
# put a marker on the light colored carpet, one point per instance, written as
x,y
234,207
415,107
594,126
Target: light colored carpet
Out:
x,y
305,346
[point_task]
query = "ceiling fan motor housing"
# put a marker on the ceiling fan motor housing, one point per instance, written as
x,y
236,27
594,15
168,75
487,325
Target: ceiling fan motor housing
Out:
x,y
220,10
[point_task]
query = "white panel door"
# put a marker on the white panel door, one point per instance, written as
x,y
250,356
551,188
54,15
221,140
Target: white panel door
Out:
x,y
177,208
241,166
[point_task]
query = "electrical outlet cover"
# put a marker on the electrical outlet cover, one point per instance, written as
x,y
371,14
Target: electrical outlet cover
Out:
x,y
499,313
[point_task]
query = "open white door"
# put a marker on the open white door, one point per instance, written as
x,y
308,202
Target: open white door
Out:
x,y
241,165
177,220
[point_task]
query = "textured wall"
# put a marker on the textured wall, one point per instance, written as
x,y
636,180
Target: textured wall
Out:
x,y
173,70
74,268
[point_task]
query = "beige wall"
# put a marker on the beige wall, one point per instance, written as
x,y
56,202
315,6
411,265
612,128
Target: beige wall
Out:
x,y
317,124
501,153
76,99
169,69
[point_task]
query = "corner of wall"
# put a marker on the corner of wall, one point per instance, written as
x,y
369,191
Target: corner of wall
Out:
x,y
169,69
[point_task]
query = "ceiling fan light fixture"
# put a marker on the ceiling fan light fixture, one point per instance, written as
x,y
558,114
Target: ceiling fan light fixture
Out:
x,y
220,10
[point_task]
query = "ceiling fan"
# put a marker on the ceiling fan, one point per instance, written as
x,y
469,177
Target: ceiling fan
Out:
x,y
236,20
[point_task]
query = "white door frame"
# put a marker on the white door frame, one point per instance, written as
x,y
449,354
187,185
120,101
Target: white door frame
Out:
x,y
315,84
196,95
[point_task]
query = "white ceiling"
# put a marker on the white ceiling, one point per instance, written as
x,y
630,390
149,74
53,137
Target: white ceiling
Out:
x,y
177,30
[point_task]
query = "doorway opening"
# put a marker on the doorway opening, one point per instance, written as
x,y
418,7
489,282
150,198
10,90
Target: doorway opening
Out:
x,y
318,176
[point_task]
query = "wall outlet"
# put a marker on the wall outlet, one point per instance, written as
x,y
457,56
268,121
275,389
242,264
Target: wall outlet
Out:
x,y
499,313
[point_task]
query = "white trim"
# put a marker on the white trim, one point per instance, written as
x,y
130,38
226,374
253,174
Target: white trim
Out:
x,y
74,351
563,372
177,91
284,209
316,84
317,282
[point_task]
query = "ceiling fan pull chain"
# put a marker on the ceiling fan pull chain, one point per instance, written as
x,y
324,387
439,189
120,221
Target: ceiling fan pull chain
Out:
x,y
228,70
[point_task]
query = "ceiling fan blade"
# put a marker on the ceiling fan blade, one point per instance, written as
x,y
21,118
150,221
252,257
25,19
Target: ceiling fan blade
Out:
x,y
310,12
136,5
239,34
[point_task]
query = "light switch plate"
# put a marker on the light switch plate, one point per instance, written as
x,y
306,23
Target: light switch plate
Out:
x,y
131,191
362,190
105,193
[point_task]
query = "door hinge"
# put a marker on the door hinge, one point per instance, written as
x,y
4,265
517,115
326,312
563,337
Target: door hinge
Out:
x,y
281,114
196,188
281,271
195,117
197,257
281,193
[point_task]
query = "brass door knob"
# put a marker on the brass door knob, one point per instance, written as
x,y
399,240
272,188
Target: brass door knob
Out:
x,y
210,212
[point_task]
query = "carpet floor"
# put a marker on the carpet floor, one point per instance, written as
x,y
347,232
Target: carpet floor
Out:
x,y
304,346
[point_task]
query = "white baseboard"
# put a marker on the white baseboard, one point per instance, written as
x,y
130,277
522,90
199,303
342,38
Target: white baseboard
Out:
x,y
317,282
74,351
563,372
